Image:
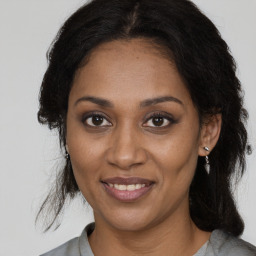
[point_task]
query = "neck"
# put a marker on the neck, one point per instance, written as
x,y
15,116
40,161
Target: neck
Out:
x,y
173,236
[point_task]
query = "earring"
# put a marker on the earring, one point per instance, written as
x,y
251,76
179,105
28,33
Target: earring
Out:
x,y
207,162
67,153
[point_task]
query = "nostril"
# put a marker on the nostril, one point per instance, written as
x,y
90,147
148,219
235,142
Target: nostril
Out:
x,y
126,156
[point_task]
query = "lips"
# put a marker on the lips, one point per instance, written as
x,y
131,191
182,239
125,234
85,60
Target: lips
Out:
x,y
127,189
127,181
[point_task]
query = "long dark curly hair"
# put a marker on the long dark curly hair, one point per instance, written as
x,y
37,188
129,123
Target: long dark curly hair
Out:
x,y
204,62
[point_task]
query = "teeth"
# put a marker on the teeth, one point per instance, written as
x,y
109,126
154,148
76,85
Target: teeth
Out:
x,y
138,186
130,187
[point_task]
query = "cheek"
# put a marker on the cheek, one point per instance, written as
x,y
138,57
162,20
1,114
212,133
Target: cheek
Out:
x,y
177,166
176,156
86,155
86,164
82,147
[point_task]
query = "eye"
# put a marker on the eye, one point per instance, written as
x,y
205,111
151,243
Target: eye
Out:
x,y
158,120
96,120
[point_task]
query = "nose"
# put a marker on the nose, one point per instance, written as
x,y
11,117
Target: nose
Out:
x,y
126,150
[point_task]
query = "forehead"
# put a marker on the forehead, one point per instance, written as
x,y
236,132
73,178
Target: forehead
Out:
x,y
129,68
135,46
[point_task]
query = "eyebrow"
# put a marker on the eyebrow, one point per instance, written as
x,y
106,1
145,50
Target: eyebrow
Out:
x,y
145,103
154,101
96,100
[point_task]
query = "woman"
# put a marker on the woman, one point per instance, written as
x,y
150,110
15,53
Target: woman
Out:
x,y
149,111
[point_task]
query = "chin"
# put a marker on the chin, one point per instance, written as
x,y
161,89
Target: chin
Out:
x,y
131,220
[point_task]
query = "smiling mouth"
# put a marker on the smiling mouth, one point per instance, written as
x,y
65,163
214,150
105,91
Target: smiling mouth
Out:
x,y
123,187
127,189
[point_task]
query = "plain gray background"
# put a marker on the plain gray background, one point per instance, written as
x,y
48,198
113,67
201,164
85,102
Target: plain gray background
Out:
x,y
29,152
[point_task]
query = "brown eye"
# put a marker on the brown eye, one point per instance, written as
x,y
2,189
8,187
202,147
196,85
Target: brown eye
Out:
x,y
96,120
158,121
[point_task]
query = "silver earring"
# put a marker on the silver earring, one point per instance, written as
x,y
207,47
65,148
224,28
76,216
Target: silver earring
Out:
x,y
207,162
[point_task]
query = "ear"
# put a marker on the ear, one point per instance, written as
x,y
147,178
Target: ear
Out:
x,y
209,134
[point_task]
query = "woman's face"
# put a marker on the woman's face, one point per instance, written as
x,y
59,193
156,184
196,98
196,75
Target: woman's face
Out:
x,y
133,136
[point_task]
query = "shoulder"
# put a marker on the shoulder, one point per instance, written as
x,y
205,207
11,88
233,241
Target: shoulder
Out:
x,y
224,244
78,246
71,247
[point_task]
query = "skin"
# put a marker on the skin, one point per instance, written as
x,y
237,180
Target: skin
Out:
x,y
128,143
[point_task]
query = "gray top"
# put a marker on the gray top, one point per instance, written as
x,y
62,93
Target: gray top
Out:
x,y
219,244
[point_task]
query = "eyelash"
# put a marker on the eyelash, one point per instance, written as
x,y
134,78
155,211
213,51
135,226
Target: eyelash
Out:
x,y
165,116
94,114
151,117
